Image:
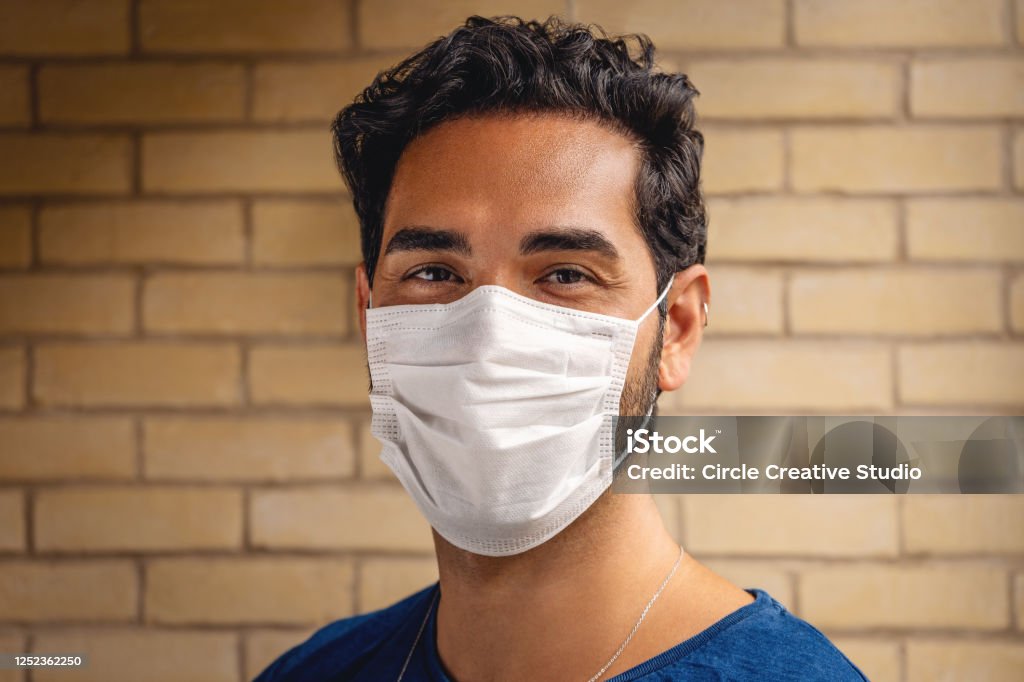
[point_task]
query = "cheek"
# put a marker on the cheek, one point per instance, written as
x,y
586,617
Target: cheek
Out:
x,y
647,338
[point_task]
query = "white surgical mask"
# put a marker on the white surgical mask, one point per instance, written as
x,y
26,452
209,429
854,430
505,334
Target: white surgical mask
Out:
x,y
495,412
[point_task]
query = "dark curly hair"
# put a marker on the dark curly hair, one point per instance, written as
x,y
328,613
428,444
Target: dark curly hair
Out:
x,y
508,65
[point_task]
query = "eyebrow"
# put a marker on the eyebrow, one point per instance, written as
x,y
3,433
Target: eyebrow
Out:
x,y
568,239
424,238
418,238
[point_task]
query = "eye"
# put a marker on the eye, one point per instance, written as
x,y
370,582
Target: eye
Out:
x,y
565,276
433,273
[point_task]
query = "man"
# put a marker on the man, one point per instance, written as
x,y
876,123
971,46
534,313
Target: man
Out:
x,y
529,196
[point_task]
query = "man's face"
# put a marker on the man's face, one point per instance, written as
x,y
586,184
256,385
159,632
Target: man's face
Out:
x,y
539,204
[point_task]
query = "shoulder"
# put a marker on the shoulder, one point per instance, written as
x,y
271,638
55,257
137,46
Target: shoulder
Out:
x,y
764,641
341,648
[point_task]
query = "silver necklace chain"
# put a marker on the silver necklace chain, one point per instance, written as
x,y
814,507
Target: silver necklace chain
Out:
x,y
419,634
599,673
640,620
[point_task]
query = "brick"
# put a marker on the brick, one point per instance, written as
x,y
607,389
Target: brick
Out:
x,y
12,377
295,233
69,591
389,24
1020,21
233,26
759,89
141,93
15,237
895,160
309,375
12,521
964,659
1018,161
245,303
263,647
311,91
742,161
386,581
52,448
792,525
71,304
370,463
956,524
961,373
65,27
137,373
985,87
250,449
293,519
857,301
903,596
239,161
812,229
936,229
153,655
193,233
692,24
65,164
748,574
137,519
878,659
898,23
786,375
1018,589
14,105
746,300
1017,303
12,643
264,590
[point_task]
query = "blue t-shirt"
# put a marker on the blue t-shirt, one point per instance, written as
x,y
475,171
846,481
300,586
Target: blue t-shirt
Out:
x,y
760,641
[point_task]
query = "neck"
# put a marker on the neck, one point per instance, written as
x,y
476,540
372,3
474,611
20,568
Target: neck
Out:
x,y
561,610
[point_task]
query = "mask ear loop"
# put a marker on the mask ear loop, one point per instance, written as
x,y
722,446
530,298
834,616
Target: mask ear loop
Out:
x,y
650,412
654,305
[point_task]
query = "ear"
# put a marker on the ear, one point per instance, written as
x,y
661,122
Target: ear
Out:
x,y
684,325
362,296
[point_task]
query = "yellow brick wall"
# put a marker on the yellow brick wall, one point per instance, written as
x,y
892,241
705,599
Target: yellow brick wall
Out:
x,y
188,485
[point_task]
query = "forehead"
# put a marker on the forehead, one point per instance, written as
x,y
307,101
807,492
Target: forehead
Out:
x,y
516,172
